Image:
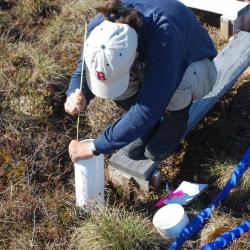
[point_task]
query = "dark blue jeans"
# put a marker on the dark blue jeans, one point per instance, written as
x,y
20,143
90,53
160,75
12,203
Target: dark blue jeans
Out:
x,y
163,139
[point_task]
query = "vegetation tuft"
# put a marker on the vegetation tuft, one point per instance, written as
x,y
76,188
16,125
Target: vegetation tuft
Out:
x,y
116,228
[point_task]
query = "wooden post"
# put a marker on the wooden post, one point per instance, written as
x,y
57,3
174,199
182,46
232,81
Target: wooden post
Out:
x,y
225,27
246,21
230,26
156,179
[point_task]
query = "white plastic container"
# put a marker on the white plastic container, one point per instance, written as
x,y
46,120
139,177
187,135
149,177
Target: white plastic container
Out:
x,y
89,181
170,220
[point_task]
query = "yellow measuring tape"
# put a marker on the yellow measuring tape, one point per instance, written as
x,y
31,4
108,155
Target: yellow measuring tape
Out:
x,y
82,72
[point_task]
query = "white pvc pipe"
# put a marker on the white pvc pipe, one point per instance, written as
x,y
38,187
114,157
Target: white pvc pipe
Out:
x,y
170,220
89,181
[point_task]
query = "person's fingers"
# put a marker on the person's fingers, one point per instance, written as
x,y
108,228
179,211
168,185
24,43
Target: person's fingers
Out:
x,y
75,103
68,109
71,105
72,151
72,158
78,94
70,155
78,102
71,145
80,106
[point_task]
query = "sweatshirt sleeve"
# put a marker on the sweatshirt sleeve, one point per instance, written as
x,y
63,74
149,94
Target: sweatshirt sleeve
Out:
x,y
76,77
164,56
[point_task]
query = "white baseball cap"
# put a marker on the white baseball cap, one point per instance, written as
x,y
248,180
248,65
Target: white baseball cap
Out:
x,y
109,53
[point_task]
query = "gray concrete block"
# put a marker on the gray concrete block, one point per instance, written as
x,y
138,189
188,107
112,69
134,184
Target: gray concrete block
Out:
x,y
123,179
142,169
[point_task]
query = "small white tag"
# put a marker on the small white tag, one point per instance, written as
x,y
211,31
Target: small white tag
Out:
x,y
190,190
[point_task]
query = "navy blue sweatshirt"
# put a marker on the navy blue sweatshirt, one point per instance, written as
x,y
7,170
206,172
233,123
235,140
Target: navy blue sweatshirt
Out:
x,y
169,40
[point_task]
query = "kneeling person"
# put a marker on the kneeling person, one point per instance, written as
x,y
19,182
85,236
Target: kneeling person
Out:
x,y
151,57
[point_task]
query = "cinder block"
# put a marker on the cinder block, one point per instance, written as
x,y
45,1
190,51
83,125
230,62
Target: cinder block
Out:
x,y
123,179
142,169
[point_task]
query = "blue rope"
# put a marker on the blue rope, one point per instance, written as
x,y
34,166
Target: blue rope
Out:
x,y
223,240
196,223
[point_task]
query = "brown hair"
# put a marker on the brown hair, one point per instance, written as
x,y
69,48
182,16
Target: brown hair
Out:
x,y
116,12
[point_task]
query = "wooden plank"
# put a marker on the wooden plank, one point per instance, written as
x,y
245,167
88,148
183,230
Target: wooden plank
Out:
x,y
246,20
225,28
230,8
230,63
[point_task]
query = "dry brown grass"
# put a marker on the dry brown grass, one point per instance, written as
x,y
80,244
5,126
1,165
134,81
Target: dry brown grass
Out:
x,y
222,173
218,224
32,219
28,9
63,37
36,189
101,113
29,76
27,17
218,173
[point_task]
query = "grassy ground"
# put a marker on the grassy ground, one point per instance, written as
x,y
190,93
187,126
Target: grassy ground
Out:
x,y
40,42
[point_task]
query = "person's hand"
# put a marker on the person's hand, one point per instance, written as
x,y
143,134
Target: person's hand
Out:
x,y
79,150
75,103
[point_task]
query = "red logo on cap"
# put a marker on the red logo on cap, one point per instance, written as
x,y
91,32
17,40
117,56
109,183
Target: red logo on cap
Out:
x,y
101,76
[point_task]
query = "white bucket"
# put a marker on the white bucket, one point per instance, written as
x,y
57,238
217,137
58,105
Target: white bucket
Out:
x,y
170,220
89,181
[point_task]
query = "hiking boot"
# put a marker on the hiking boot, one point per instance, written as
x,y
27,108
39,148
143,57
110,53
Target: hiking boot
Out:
x,y
135,150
